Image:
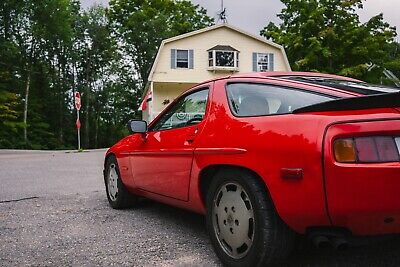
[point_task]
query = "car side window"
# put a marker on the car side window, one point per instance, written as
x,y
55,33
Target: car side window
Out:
x,y
252,99
189,110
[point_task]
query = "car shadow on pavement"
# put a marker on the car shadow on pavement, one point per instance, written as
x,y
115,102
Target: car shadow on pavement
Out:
x,y
369,252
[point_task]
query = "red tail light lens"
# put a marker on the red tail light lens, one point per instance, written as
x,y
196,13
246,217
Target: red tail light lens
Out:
x,y
387,149
369,149
366,149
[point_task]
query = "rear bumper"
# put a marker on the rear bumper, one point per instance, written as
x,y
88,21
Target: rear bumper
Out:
x,y
364,198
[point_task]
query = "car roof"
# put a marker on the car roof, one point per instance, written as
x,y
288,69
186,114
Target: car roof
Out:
x,y
285,77
283,74
329,83
280,74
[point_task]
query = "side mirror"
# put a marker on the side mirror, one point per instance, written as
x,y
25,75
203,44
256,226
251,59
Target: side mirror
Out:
x,y
137,126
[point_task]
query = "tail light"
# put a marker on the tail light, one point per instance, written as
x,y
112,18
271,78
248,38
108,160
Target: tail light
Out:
x,y
367,149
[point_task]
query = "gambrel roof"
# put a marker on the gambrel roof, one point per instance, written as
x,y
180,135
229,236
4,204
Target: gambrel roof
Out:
x,y
211,28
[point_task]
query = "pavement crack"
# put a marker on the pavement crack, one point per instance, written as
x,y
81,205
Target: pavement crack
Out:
x,y
16,200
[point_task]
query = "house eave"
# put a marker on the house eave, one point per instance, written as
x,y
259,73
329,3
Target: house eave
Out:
x,y
211,28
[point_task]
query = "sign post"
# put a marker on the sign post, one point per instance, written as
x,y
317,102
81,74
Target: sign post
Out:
x,y
78,122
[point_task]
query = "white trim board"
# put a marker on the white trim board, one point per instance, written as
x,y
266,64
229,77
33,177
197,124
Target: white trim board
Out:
x,y
211,28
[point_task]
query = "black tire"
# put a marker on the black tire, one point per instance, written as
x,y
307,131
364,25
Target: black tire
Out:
x,y
122,199
272,240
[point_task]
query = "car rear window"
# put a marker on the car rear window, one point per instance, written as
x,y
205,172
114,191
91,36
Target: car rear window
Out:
x,y
349,86
252,99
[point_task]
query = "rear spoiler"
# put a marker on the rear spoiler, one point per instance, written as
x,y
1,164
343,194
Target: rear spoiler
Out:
x,y
389,100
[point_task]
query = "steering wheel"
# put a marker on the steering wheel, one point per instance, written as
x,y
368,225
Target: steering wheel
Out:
x,y
194,120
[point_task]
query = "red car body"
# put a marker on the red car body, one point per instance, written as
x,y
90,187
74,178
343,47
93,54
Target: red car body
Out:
x,y
292,154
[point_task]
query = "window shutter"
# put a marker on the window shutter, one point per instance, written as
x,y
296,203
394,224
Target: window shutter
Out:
x,y
191,59
173,58
271,62
255,62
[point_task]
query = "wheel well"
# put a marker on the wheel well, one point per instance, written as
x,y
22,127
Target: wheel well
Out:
x,y
105,163
109,155
209,172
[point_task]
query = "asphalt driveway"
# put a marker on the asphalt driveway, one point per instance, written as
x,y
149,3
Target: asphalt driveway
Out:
x,y
53,212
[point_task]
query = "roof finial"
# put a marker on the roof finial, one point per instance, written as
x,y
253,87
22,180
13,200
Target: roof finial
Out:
x,y
222,14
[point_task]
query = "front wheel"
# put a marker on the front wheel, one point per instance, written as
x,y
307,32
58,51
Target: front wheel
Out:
x,y
243,225
117,194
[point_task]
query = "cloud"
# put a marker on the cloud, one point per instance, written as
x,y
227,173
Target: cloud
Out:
x,y
88,3
250,15
253,15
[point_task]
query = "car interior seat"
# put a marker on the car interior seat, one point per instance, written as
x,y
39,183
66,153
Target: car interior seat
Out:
x,y
253,106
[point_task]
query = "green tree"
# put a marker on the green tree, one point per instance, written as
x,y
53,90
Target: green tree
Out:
x,y
393,64
327,36
9,114
96,50
141,25
50,49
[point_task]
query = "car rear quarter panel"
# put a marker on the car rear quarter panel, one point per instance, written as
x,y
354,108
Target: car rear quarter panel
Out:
x,y
266,145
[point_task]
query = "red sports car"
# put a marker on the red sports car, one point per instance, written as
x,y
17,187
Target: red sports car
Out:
x,y
267,155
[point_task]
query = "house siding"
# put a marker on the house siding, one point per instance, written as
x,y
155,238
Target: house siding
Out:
x,y
200,43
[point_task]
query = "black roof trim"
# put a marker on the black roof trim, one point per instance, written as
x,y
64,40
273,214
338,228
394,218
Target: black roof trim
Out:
x,y
390,100
361,88
223,48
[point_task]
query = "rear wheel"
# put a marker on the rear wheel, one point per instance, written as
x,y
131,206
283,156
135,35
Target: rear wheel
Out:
x,y
117,194
243,225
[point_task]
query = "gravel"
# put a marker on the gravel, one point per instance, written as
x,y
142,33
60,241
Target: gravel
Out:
x,y
62,218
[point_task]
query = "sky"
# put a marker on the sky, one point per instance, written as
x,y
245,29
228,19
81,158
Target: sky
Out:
x,y
253,15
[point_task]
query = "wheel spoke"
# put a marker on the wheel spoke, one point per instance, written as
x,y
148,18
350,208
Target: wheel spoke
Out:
x,y
248,242
234,253
224,189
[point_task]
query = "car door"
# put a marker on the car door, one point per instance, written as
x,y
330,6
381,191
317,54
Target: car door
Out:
x,y
162,162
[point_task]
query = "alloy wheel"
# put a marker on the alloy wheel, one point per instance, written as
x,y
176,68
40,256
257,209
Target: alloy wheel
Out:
x,y
233,220
112,181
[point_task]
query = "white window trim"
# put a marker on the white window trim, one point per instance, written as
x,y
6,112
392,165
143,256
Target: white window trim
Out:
x,y
176,59
214,54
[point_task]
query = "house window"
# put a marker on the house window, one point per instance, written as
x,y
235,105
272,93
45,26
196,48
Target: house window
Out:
x,y
262,62
182,59
223,57
211,58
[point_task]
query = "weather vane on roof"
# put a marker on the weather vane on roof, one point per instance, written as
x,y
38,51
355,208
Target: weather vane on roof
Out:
x,y
222,15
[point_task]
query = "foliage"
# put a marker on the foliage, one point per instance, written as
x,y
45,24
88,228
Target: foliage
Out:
x,y
51,48
9,124
141,26
327,36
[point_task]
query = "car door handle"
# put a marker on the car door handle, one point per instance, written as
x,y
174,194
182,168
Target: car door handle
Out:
x,y
191,136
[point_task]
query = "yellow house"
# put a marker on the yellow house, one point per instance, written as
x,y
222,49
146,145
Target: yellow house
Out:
x,y
197,56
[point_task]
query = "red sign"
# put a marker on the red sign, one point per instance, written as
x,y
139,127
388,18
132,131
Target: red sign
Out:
x,y
78,124
78,100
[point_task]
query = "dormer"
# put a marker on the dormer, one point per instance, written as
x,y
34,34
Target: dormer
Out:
x,y
223,58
